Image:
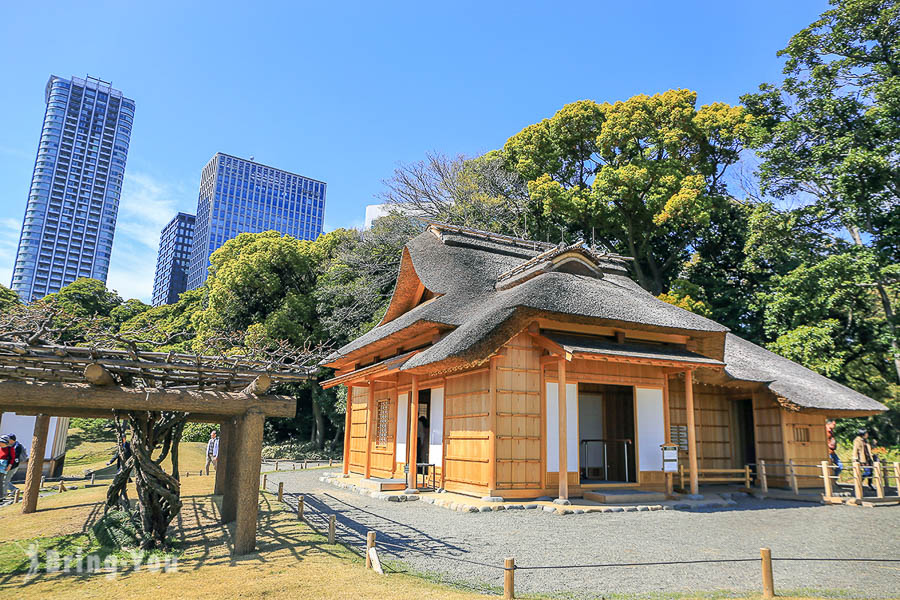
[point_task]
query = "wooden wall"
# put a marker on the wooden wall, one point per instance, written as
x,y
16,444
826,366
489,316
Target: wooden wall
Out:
x,y
519,415
767,429
714,418
467,434
358,423
806,443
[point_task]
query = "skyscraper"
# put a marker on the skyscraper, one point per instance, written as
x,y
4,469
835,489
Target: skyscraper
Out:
x,y
70,218
175,244
238,196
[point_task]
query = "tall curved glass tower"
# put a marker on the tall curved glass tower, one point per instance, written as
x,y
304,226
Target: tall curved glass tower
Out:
x,y
70,218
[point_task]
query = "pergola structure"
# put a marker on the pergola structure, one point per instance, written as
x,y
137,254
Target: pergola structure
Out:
x,y
90,382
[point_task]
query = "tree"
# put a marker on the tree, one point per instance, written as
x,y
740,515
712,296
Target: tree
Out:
x,y
85,297
480,193
8,298
828,136
161,323
641,176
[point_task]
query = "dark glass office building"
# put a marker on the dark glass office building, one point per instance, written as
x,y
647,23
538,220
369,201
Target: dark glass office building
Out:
x,y
175,245
238,196
70,217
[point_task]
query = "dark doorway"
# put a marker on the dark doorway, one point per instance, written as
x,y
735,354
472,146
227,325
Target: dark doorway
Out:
x,y
745,439
424,430
606,433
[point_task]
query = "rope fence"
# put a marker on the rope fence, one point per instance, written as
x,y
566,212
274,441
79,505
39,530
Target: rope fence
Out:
x,y
509,567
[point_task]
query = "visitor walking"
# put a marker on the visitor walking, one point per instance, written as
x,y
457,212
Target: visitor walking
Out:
x,y
123,453
7,457
862,453
832,448
212,451
20,455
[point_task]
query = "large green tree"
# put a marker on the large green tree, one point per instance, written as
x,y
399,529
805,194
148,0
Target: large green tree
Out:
x,y
643,176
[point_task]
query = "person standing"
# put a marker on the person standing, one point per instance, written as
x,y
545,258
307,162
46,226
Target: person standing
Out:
x,y
832,448
123,453
862,453
7,458
20,456
212,451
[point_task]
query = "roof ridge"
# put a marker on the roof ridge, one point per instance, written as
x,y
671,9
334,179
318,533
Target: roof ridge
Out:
x,y
488,235
557,251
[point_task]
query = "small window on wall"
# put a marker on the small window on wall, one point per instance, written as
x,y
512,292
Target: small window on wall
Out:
x,y
801,434
382,423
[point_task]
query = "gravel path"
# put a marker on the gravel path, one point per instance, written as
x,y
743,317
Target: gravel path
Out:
x,y
468,548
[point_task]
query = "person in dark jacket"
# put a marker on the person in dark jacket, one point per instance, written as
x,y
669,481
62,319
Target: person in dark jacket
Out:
x,y
21,455
121,457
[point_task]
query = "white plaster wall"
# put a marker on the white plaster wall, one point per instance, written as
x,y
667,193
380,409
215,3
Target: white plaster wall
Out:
x,y
651,428
552,436
402,427
436,426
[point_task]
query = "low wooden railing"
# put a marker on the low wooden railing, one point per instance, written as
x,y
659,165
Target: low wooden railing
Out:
x,y
717,476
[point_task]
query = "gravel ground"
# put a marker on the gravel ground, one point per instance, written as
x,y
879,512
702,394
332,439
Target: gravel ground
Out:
x,y
469,548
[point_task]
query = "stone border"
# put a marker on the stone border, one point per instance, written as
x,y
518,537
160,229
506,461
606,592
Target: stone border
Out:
x,y
496,507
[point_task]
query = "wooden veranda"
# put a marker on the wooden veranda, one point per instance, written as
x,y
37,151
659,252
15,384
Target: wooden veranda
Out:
x,y
90,382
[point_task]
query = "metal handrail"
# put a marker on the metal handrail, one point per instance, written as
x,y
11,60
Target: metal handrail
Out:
x,y
625,443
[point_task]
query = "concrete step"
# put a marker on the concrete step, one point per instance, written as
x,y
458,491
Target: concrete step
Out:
x,y
624,496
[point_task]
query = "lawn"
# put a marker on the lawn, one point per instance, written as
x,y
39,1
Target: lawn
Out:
x,y
83,455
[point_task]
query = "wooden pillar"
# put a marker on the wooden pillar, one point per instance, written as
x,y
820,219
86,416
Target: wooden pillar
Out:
x,y
492,429
348,425
692,431
563,437
857,481
250,434
826,479
413,433
226,439
370,428
36,463
229,473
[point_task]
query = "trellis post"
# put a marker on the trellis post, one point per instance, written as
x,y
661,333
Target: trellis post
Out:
x,y
250,433
226,438
33,476
229,473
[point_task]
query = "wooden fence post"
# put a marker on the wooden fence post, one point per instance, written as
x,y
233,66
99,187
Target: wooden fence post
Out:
x,y
370,543
747,476
767,579
92,478
681,473
265,481
792,474
300,508
897,478
857,481
331,525
16,498
62,486
281,491
879,479
826,479
509,578
304,464
763,480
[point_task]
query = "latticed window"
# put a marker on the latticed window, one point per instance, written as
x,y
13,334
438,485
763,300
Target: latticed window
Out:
x,y
801,434
382,423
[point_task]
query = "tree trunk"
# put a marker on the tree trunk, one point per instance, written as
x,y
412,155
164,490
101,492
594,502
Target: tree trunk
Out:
x,y
885,304
319,432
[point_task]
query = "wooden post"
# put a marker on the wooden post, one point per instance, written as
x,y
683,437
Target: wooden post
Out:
x,y
230,472
412,442
563,437
226,437
857,481
305,465
509,578
250,436
681,475
300,508
897,478
492,427
34,479
370,427
16,498
265,481
878,475
331,525
692,431
370,543
281,491
768,580
747,476
792,475
277,465
92,478
62,487
763,478
826,479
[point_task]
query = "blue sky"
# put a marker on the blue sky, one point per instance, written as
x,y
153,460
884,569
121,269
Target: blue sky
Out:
x,y
344,92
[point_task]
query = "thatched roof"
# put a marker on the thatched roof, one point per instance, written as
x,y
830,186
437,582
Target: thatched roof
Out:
x,y
484,288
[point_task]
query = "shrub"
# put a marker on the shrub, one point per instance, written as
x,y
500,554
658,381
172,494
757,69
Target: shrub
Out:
x,y
116,530
298,451
94,430
198,432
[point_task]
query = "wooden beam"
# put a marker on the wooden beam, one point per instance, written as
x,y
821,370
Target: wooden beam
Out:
x,y
492,430
550,346
259,386
229,473
563,437
20,395
370,427
692,430
348,425
96,374
226,439
412,442
35,470
250,434
90,413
